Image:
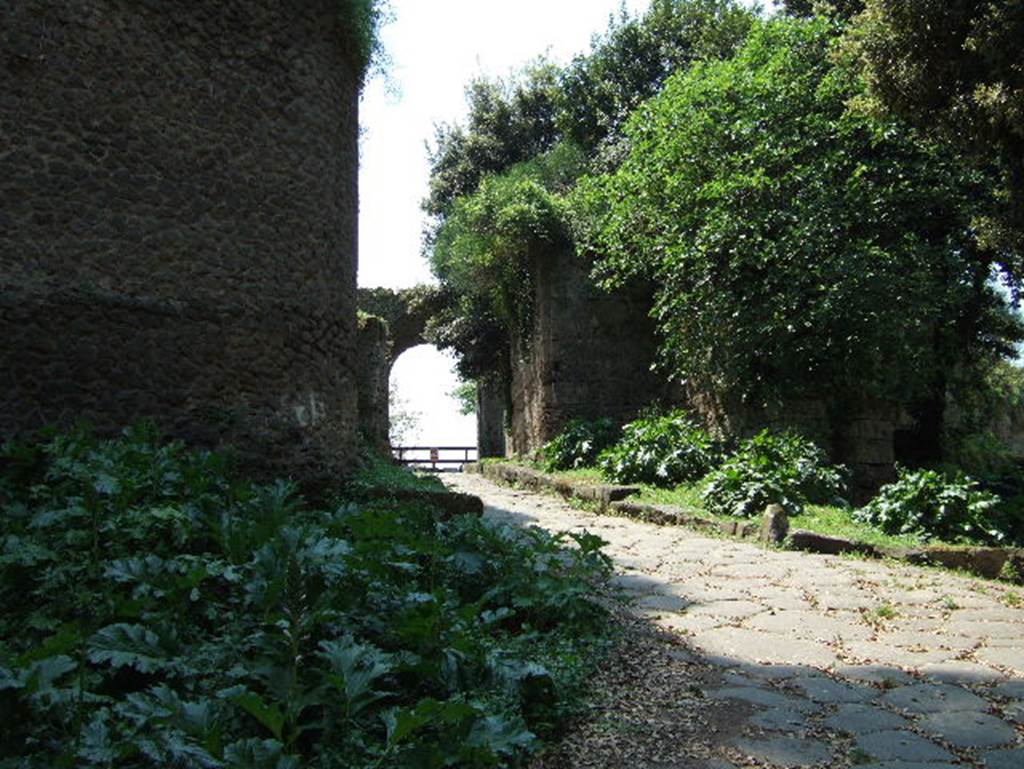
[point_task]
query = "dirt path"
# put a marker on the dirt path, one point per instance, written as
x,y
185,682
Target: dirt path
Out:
x,y
744,656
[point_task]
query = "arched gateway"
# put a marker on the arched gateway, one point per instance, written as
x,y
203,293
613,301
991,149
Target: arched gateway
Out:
x,y
390,323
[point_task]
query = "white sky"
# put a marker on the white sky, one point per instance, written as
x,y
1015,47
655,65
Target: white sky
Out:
x,y
436,47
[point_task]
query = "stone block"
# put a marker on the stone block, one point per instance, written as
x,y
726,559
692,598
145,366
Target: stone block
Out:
x,y
774,525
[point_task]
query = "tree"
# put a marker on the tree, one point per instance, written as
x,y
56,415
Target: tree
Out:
x,y
631,61
955,67
843,9
798,249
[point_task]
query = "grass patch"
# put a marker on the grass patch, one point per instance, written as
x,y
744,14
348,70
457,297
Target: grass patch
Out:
x,y
839,522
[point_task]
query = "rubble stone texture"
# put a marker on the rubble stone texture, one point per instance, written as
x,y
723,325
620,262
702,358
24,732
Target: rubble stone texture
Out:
x,y
178,222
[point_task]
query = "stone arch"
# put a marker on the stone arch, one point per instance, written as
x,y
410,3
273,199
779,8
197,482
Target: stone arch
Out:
x,y
390,323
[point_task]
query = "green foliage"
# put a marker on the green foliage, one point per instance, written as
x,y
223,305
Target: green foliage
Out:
x,y
796,248
632,59
930,505
465,395
495,181
161,611
579,444
488,244
773,468
362,20
509,122
660,449
953,67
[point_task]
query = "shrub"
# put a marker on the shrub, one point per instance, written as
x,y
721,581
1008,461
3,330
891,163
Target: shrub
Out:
x,y
160,611
773,468
663,450
932,505
579,444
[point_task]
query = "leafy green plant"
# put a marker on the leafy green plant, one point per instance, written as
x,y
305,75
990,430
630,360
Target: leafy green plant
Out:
x,y
773,468
160,610
660,449
931,505
579,444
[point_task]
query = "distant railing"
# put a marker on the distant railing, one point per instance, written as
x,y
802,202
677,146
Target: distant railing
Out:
x,y
429,457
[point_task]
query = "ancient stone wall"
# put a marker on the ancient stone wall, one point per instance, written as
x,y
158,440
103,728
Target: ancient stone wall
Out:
x,y
178,221
590,355
373,373
491,394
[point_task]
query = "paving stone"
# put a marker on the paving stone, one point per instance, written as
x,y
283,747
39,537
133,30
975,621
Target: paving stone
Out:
x,y
878,653
846,601
864,719
1012,758
785,751
779,720
969,730
763,697
901,745
827,690
730,644
885,675
984,630
657,602
1014,712
1007,657
809,625
933,698
961,672
635,583
1013,690
926,640
684,623
995,614
730,609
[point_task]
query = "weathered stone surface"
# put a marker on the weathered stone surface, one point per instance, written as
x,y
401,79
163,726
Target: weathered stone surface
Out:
x,y
490,417
774,525
373,370
801,539
961,672
901,745
864,719
761,696
785,751
884,675
968,730
1012,758
780,720
738,643
826,690
933,698
564,369
1007,656
179,191
983,561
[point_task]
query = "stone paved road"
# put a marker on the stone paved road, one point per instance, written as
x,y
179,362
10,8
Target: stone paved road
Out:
x,y
842,662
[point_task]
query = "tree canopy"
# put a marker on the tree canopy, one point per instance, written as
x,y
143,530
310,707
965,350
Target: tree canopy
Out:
x,y
955,67
797,247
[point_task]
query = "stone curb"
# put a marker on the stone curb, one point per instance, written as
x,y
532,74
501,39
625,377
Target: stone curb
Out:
x,y
987,562
604,495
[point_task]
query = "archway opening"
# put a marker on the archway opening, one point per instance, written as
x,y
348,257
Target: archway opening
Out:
x,y
424,409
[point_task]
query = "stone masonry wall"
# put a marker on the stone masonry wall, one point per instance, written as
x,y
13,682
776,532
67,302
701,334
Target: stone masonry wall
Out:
x,y
373,372
590,355
491,395
178,221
